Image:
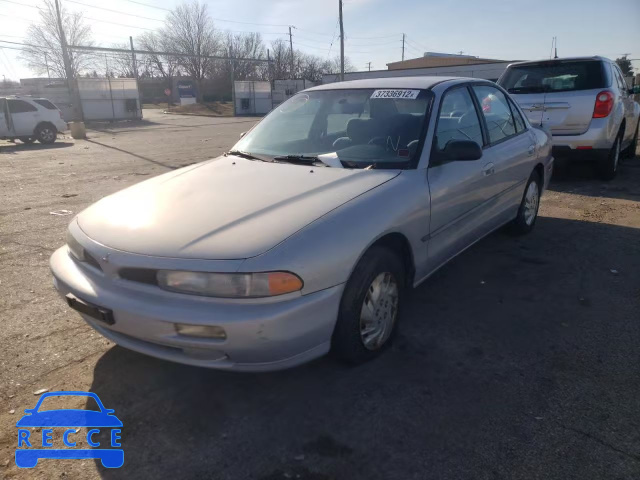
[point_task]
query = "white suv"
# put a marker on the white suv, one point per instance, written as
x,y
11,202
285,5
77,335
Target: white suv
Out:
x,y
29,119
584,102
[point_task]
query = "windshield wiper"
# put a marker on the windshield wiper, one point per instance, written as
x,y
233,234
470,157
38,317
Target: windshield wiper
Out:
x,y
303,159
247,155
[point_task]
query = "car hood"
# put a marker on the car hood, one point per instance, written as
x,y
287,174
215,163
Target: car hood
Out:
x,y
226,208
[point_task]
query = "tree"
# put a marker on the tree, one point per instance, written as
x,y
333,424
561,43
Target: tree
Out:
x,y
625,65
156,64
121,64
45,45
189,31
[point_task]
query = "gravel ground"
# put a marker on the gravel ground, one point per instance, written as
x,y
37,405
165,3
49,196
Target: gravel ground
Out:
x,y
518,360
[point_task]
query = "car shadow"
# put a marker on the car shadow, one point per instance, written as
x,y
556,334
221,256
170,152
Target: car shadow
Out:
x,y
504,367
6,147
582,178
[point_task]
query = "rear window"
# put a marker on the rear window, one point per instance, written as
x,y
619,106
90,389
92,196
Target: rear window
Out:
x,y
46,104
554,77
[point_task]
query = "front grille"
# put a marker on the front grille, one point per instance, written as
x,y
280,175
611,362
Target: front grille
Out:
x,y
141,275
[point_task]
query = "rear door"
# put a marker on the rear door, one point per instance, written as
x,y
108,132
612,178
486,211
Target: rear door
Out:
x,y
559,94
510,152
24,117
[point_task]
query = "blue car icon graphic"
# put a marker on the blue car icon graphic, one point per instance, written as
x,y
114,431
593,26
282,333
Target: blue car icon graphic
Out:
x,y
73,418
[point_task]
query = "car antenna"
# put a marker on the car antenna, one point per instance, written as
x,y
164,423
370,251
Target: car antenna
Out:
x,y
556,48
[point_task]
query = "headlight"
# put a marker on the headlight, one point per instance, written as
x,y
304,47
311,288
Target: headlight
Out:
x,y
229,285
75,248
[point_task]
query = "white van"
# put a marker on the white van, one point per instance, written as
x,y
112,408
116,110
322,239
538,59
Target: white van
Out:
x,y
29,119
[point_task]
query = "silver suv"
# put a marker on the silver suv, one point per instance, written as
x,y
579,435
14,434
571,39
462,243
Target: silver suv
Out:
x,y
584,102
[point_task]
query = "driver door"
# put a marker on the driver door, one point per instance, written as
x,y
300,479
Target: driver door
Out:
x,y
459,189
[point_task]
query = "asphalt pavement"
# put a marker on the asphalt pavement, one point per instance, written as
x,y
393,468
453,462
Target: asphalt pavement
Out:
x,y
518,360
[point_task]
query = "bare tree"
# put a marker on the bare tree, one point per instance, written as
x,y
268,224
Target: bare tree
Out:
x,y
189,31
157,65
45,48
121,64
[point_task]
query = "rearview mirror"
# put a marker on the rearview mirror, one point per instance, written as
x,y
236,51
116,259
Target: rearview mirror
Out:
x,y
462,150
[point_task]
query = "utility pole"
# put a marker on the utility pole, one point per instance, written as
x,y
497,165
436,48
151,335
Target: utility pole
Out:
x,y
403,35
233,78
341,42
135,72
133,59
46,62
291,47
369,65
71,79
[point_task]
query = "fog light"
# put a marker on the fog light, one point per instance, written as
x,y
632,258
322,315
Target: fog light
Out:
x,y
203,331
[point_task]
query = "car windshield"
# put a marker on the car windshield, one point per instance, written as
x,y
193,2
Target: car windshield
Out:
x,y
554,76
377,128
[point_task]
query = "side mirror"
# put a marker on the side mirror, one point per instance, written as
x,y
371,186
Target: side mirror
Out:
x,y
243,134
462,150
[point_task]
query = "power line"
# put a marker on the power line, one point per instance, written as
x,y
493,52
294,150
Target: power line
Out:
x,y
149,6
111,10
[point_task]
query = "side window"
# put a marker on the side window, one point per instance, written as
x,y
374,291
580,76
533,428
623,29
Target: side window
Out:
x,y
47,104
458,119
496,111
621,83
20,106
520,125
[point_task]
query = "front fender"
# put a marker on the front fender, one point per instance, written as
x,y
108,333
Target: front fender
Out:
x,y
326,251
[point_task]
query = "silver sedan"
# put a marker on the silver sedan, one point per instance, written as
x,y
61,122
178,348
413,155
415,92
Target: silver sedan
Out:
x,y
306,235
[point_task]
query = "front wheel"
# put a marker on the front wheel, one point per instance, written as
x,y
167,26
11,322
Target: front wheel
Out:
x,y
46,133
528,210
370,307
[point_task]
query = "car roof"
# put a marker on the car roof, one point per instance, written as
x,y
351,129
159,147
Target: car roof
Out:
x,y
421,82
560,60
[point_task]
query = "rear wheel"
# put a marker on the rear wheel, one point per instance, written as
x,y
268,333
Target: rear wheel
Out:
x,y
609,167
630,151
528,211
369,307
46,133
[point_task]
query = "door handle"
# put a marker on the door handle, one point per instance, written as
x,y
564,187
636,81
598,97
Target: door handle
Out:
x,y
531,150
488,169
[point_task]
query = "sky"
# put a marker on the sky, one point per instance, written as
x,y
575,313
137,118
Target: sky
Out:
x,y
501,29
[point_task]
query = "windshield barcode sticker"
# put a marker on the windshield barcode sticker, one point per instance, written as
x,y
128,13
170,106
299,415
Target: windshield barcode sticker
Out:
x,y
400,94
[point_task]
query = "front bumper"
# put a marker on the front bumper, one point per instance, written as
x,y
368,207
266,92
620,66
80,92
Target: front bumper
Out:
x,y
262,334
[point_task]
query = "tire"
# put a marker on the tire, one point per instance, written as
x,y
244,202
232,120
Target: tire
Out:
x,y
378,267
46,133
528,209
630,151
608,168
27,140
